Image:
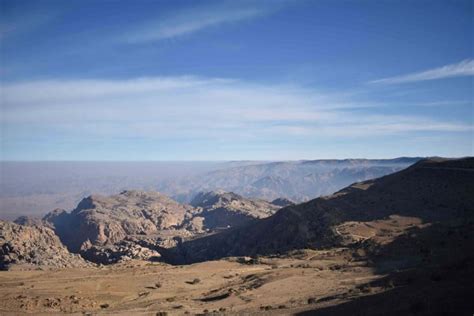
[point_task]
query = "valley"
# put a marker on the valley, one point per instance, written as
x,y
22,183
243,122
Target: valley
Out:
x,y
360,248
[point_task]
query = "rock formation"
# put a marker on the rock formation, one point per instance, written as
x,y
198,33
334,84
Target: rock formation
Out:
x,y
101,221
221,209
34,245
138,225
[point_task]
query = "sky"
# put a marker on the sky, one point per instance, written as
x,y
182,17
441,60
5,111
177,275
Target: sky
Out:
x,y
235,80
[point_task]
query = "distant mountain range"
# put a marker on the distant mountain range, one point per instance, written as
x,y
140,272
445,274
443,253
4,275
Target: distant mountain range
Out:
x,y
434,191
298,181
35,188
216,224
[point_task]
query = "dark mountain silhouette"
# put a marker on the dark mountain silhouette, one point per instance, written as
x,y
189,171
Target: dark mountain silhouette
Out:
x,y
433,190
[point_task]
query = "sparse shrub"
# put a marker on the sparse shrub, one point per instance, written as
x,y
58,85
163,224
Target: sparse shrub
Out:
x,y
194,281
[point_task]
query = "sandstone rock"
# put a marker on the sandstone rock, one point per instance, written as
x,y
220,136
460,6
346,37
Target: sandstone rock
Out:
x,y
101,221
222,210
34,245
122,251
28,221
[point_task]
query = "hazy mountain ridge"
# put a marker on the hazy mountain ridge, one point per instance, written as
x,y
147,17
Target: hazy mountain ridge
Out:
x,y
35,188
296,180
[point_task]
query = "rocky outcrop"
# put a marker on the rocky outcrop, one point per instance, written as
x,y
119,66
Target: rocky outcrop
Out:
x,y
138,225
101,221
33,245
119,252
219,209
29,221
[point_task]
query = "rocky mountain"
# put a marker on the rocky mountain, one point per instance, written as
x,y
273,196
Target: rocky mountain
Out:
x,y
396,245
221,209
138,225
433,191
34,245
29,221
295,180
152,226
105,220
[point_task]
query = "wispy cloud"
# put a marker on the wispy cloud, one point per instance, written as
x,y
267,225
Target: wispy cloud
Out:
x,y
461,69
192,107
190,21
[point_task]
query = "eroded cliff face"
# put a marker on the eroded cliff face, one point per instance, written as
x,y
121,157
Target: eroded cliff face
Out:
x,y
100,220
107,229
34,245
220,210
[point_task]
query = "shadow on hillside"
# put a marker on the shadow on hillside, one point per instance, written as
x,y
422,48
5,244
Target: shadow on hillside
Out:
x,y
423,191
415,292
430,272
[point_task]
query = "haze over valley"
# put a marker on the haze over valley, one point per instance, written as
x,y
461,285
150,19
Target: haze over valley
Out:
x,y
35,188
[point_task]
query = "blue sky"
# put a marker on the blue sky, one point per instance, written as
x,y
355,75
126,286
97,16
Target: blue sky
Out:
x,y
230,80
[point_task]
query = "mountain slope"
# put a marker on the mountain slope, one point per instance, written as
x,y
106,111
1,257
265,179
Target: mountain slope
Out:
x,y
226,209
431,190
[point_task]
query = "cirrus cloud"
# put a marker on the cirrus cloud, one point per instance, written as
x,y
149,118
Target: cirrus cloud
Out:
x,y
188,107
461,69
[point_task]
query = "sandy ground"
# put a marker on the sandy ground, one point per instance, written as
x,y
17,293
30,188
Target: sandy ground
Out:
x,y
274,286
340,280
